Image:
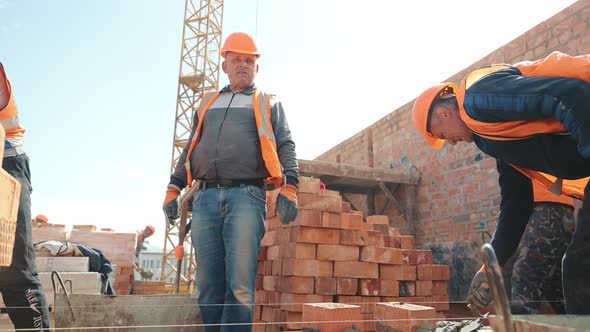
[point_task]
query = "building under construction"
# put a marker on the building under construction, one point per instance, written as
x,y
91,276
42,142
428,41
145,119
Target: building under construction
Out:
x,y
386,238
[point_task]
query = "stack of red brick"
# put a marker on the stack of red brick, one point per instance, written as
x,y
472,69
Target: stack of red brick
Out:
x,y
329,254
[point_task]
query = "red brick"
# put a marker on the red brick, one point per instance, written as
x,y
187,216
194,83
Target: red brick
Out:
x,y
262,256
299,250
367,227
319,202
406,242
269,238
257,312
351,220
274,299
260,297
277,268
389,287
308,185
346,286
335,252
368,322
352,237
269,283
393,231
440,287
273,252
265,268
378,219
368,304
369,287
357,300
416,256
294,302
356,270
326,286
293,320
259,281
307,268
307,218
424,272
315,235
381,255
441,272
423,287
273,222
337,316
407,288
404,316
397,272
295,284
440,302
383,229
267,314
326,192
331,219
346,207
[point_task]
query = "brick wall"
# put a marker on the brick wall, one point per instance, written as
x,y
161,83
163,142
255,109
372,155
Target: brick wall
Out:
x,y
458,196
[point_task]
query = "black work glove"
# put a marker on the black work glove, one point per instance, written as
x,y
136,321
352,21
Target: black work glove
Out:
x,y
170,206
287,203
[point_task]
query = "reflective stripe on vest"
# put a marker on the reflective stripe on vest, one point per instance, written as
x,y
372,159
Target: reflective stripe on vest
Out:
x,y
8,111
268,145
516,130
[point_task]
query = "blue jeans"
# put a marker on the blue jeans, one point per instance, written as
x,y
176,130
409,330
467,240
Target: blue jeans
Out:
x,y
227,228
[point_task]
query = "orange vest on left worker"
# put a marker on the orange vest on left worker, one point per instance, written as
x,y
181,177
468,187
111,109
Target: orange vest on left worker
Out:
x,y
268,144
555,64
8,111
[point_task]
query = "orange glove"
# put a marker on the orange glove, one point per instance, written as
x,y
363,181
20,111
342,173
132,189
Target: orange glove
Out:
x,y
171,205
287,203
179,252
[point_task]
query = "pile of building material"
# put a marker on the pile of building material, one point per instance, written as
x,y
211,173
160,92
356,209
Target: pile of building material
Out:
x,y
148,287
119,248
330,254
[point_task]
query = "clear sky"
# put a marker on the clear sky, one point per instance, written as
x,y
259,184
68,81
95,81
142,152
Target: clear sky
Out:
x,y
96,82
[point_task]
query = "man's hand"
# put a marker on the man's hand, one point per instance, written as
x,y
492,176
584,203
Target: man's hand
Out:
x,y
287,203
479,295
171,205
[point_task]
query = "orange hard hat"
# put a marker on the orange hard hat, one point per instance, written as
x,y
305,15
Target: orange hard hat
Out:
x,y
422,109
41,218
240,42
152,228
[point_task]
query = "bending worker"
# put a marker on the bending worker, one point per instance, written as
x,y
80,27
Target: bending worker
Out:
x,y
19,283
240,143
535,275
534,118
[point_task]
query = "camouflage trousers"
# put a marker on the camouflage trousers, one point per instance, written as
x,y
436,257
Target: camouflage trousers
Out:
x,y
536,275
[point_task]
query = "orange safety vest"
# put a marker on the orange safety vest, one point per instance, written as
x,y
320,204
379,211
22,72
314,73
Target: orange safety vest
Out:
x,y
268,144
554,65
8,112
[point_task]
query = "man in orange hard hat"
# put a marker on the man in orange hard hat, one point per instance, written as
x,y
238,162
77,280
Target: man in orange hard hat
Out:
x,y
19,283
534,118
240,143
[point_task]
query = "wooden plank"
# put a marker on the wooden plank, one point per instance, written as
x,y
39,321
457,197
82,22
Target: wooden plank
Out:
x,y
353,174
62,264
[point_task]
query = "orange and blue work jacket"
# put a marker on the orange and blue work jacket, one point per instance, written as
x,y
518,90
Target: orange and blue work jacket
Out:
x,y
238,136
534,118
14,140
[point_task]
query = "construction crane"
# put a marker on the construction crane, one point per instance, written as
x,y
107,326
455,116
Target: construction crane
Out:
x,y
199,72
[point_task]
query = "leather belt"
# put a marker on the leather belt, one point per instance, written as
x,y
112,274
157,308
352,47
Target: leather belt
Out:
x,y
220,184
